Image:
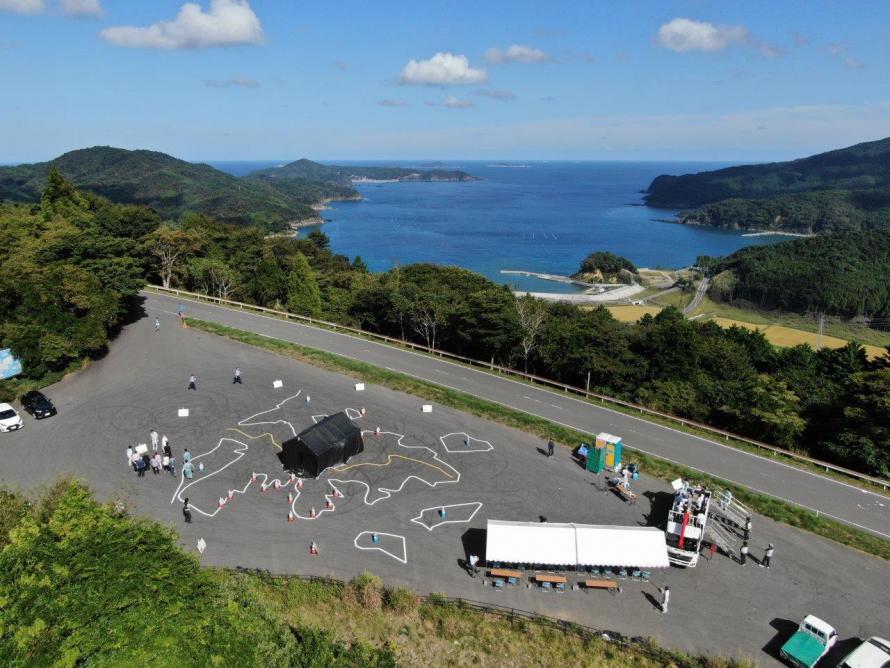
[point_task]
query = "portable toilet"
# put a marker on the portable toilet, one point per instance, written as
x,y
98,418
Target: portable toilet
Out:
x,y
596,459
611,445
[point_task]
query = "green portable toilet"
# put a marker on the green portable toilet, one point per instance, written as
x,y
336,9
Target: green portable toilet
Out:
x,y
596,459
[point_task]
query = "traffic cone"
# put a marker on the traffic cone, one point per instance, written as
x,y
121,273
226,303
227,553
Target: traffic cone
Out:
x,y
277,484
328,504
290,497
313,549
253,477
222,501
338,494
231,494
363,411
299,483
377,433
290,516
292,479
312,513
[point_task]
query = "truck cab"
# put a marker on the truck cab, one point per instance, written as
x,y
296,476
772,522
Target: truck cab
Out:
x,y
812,640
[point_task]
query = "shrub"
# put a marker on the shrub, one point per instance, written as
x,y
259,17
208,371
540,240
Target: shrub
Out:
x,y
401,600
365,589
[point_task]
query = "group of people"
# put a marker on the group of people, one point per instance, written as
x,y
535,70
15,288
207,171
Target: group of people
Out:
x,y
159,458
767,554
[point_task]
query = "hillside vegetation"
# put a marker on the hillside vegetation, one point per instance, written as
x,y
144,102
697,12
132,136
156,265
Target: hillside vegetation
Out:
x,y
312,171
846,189
606,267
172,187
844,274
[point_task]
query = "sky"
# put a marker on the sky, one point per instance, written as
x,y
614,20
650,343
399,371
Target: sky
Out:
x,y
283,79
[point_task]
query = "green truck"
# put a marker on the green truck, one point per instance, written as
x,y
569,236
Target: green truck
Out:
x,y
812,640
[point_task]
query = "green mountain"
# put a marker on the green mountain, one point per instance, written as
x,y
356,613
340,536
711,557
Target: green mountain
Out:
x,y
312,171
173,187
846,189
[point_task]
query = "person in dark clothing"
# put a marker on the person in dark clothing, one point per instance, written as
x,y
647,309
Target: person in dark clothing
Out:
x,y
193,382
187,512
167,449
237,378
140,467
551,446
767,556
743,555
748,529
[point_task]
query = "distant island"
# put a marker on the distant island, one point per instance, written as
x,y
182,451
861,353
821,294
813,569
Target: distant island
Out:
x,y
846,189
276,199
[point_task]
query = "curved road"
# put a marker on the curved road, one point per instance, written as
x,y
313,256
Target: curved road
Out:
x,y
847,503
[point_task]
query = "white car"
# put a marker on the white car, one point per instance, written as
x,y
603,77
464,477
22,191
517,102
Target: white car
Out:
x,y
873,653
10,420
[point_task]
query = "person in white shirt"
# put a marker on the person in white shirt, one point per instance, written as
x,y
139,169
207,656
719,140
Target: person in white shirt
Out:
x,y
474,565
665,599
129,455
154,440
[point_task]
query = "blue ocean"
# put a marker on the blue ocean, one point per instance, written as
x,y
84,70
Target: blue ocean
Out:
x,y
529,216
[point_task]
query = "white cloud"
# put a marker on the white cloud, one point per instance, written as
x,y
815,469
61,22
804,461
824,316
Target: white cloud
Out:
x,y
836,49
442,68
453,102
393,103
241,82
82,8
516,53
503,95
852,64
226,23
22,6
683,35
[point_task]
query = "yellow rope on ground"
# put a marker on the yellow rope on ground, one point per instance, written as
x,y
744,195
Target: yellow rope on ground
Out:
x,y
253,438
389,459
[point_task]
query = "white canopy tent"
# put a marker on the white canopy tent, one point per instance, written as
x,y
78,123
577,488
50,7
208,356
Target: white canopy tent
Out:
x,y
573,545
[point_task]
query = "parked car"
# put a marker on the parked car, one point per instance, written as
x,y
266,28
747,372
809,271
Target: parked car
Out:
x,y
810,642
873,653
38,405
10,420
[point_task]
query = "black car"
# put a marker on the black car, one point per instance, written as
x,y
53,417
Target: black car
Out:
x,y
38,405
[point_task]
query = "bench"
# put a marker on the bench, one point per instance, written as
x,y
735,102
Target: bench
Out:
x,y
625,494
553,579
505,573
611,585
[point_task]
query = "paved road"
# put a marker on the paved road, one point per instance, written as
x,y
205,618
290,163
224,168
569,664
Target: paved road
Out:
x,y
847,503
699,295
720,607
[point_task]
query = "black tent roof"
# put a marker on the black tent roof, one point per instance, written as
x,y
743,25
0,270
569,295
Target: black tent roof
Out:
x,y
330,442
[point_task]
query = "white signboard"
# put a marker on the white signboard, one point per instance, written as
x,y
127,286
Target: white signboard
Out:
x,y
183,412
359,387
277,383
202,545
141,449
427,408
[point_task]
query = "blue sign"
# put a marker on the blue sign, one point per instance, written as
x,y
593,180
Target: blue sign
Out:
x,y
9,365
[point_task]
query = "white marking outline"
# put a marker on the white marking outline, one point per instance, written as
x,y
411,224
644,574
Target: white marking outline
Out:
x,y
403,559
419,518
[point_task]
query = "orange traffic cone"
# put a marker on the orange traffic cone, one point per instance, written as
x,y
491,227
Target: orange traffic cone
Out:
x,y
312,513
338,494
277,484
290,516
313,549
222,501
231,494
328,504
290,497
363,410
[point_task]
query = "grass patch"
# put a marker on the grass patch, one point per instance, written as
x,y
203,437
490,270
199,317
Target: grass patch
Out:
x,y
767,506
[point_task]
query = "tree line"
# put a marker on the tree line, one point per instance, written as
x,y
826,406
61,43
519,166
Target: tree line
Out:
x,y
79,261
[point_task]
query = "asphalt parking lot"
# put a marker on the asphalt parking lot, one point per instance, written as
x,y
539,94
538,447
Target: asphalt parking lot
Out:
x,y
420,462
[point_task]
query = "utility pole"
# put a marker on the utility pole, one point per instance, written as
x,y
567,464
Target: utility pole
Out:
x,y
588,381
821,328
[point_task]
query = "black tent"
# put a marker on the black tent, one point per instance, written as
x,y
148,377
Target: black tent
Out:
x,y
330,442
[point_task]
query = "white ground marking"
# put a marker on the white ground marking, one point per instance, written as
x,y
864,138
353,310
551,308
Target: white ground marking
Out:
x,y
403,559
246,421
419,518
467,443
386,491
318,418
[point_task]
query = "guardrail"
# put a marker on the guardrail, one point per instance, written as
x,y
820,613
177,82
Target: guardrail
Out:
x,y
538,380
501,611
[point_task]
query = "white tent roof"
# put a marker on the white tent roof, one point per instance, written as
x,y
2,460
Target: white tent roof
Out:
x,y
530,543
575,545
625,547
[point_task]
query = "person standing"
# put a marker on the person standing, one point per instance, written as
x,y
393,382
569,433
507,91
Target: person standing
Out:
x,y
237,378
181,312
665,599
474,565
172,466
188,470
187,511
551,446
186,456
767,556
157,325
156,463
154,440
165,462
193,382
129,455
748,529
140,467
743,554
165,445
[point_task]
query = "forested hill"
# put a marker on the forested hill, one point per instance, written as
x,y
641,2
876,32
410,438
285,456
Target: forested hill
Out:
x,y
847,189
845,274
860,167
314,171
172,187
